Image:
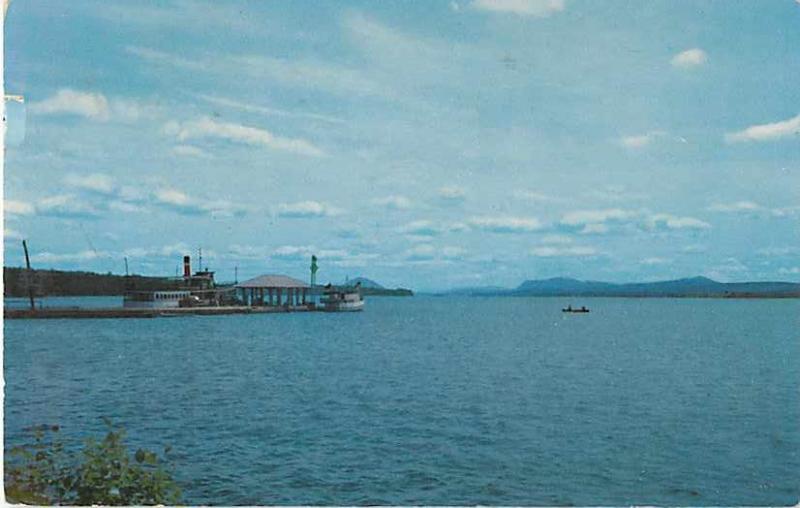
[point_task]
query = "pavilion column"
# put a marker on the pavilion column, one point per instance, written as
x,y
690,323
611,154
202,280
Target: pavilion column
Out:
x,y
304,296
280,296
270,296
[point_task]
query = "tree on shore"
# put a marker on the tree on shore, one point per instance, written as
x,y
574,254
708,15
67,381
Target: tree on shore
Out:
x,y
44,472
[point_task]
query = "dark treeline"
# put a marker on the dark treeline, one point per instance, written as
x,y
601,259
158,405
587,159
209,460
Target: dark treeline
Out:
x,y
386,292
61,283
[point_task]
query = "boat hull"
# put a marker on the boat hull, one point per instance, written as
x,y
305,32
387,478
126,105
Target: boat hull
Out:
x,y
344,306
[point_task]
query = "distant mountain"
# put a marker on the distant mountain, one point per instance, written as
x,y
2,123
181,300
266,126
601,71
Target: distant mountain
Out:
x,y
689,287
694,286
365,283
371,288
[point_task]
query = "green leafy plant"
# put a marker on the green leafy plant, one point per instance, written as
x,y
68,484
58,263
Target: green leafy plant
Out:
x,y
104,472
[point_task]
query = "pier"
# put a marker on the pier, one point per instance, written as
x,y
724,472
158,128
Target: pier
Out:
x,y
122,312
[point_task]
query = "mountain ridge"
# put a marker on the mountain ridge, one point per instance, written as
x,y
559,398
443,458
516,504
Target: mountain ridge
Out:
x,y
697,286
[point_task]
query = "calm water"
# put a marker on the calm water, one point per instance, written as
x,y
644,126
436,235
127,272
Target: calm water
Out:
x,y
439,401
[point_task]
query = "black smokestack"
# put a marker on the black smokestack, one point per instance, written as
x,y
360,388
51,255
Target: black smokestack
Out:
x,y
187,266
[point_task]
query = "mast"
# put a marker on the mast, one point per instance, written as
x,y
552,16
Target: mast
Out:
x,y
30,274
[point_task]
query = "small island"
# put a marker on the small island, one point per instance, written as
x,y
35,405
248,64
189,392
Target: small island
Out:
x,y
371,288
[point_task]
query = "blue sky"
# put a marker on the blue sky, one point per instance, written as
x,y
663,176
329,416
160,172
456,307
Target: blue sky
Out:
x,y
422,144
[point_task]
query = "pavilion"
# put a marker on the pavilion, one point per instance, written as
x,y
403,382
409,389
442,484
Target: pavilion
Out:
x,y
273,290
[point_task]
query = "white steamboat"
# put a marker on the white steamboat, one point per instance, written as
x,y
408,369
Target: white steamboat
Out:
x,y
342,299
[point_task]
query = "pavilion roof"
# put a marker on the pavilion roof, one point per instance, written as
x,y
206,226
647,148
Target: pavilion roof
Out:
x,y
272,281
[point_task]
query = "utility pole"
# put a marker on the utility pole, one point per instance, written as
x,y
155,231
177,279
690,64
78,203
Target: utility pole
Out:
x,y
236,274
30,274
126,267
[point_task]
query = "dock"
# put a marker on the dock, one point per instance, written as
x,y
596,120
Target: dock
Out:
x,y
121,312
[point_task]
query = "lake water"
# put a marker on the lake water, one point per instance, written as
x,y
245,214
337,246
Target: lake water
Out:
x,y
425,400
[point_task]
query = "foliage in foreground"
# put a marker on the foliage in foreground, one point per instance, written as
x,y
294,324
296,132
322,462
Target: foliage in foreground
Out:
x,y
45,473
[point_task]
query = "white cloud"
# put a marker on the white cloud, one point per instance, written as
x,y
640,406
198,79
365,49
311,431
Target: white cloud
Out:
x,y
690,58
254,108
615,193
694,249
11,234
739,206
12,207
506,224
594,229
129,110
94,106
420,252
179,202
427,253
452,252
779,251
583,217
306,251
307,74
641,140
597,221
536,197
96,182
168,59
97,193
536,8
190,151
172,197
795,270
729,267
85,255
248,251
124,207
452,193
306,209
312,74
549,251
667,221
356,260
206,127
393,202
423,228
66,206
655,261
787,211
68,101
557,240
766,132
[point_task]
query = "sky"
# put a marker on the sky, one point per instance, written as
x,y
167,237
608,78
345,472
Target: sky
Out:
x,y
422,144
